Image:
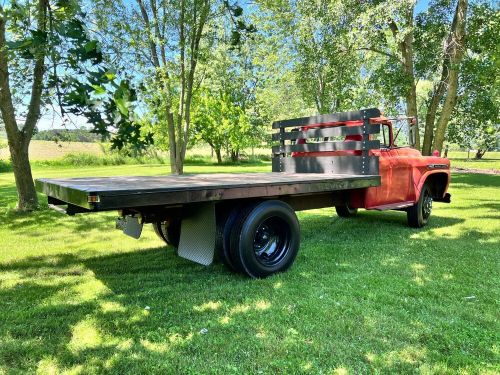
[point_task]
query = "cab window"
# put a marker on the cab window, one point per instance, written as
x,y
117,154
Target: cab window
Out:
x,y
384,136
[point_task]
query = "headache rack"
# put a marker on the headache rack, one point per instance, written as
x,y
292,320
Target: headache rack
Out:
x,y
291,154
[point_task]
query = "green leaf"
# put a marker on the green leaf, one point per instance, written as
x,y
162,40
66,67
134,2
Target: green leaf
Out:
x,y
90,46
110,75
121,104
20,44
99,90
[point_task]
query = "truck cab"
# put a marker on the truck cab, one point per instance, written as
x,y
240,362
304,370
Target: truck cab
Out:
x,y
408,179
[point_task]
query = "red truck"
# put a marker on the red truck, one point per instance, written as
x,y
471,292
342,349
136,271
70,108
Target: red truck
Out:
x,y
346,160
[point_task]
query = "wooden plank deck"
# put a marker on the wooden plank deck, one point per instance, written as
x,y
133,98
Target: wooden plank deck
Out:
x,y
139,191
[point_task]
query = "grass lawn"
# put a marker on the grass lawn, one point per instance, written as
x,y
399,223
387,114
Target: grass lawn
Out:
x,y
366,295
490,160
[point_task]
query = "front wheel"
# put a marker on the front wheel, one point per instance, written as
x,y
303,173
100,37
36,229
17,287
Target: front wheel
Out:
x,y
418,214
265,239
346,211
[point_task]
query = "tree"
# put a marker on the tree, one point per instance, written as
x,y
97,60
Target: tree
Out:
x,y
19,136
227,115
322,56
475,122
222,124
413,49
447,85
277,93
47,59
384,30
168,40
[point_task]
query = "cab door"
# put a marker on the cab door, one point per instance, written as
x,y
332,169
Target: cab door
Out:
x,y
395,174
401,170
400,184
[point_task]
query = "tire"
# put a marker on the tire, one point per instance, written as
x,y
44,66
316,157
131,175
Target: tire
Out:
x,y
418,214
346,211
225,224
265,239
169,231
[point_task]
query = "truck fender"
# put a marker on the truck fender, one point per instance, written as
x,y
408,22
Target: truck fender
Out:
x,y
440,180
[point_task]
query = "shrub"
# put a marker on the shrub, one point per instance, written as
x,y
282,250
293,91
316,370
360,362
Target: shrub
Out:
x,y
5,166
82,159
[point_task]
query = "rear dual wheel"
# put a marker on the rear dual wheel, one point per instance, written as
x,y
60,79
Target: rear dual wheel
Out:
x,y
257,239
264,239
169,231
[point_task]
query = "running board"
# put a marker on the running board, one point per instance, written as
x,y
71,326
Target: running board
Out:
x,y
392,206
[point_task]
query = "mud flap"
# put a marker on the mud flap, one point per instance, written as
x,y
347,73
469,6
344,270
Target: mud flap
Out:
x,y
197,242
130,225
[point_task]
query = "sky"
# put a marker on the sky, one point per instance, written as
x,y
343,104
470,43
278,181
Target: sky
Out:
x,y
54,121
421,6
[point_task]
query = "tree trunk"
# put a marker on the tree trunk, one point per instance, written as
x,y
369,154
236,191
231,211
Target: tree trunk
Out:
x,y
27,198
479,154
171,141
430,117
455,49
406,50
219,155
235,156
411,108
449,104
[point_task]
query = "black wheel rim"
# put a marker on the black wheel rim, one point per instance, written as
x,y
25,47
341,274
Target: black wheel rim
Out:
x,y
271,241
426,205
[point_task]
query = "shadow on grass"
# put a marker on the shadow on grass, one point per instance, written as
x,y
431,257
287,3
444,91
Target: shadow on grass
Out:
x,y
381,300
30,223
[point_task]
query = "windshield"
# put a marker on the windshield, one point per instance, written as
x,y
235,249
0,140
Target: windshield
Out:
x,y
401,130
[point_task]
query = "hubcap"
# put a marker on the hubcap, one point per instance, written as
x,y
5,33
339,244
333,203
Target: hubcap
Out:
x,y
427,206
271,242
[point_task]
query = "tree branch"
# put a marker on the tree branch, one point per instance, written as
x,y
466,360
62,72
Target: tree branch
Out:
x,y
6,106
152,44
388,54
38,73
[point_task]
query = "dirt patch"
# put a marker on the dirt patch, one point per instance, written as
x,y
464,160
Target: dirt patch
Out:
x,y
474,170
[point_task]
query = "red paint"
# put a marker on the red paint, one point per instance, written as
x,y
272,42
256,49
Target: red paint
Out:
x,y
403,170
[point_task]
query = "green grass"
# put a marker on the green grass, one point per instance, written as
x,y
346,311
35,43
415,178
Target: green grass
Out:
x,y
490,160
366,295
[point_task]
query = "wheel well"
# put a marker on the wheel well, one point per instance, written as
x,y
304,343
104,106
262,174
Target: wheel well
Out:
x,y
437,183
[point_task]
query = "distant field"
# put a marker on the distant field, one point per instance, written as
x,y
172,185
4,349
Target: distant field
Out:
x,y
49,150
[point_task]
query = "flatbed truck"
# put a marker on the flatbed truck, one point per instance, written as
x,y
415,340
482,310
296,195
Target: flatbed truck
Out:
x,y
346,160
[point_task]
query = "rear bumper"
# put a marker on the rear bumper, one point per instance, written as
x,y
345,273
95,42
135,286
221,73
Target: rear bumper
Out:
x,y
445,199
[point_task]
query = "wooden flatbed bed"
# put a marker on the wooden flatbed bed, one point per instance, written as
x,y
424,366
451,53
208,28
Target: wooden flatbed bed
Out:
x,y
111,193
246,220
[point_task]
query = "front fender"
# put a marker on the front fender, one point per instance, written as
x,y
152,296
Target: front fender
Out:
x,y
441,183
